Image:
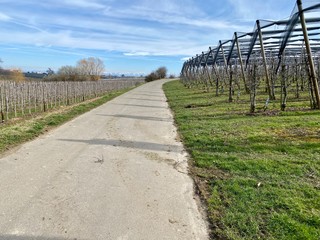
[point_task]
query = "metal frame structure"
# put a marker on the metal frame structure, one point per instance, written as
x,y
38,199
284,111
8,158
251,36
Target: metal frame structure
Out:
x,y
269,40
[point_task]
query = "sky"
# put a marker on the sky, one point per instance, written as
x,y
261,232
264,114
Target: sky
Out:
x,y
130,36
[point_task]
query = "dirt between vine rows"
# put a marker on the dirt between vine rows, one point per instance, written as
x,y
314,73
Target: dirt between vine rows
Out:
x,y
116,172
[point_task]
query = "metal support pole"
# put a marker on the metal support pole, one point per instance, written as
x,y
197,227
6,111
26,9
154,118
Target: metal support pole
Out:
x,y
184,73
206,65
189,73
198,64
224,57
195,69
192,71
183,70
216,54
271,94
241,64
206,81
309,53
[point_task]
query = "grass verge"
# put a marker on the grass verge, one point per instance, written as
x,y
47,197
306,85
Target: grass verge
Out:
x,y
259,174
14,133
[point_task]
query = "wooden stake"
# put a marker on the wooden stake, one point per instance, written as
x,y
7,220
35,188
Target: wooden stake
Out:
x,y
271,94
309,53
241,64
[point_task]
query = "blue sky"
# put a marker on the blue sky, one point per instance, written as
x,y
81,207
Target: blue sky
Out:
x,y
130,36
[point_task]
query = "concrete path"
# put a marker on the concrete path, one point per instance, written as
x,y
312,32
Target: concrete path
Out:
x,y
117,173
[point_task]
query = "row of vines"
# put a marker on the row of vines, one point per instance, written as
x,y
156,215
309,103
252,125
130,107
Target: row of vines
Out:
x,y
293,79
278,62
20,99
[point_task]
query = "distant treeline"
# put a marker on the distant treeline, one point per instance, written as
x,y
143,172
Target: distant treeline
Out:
x,y
15,74
35,75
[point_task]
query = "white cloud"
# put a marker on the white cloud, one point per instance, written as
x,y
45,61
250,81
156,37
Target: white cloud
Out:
x,y
137,54
4,17
181,7
185,58
84,3
250,11
139,28
168,16
117,32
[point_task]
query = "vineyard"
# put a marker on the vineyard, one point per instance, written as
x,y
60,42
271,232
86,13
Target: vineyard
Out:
x,y
19,99
277,61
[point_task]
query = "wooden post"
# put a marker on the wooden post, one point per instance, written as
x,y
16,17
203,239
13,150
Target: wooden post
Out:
x,y
271,94
205,70
188,77
253,90
224,58
206,65
230,85
2,104
215,70
309,53
241,64
202,72
284,92
195,69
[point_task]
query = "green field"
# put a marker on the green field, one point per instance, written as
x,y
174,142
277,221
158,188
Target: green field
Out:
x,y
258,173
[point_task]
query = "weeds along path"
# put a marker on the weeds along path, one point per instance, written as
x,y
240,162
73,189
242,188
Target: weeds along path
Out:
x,y
116,172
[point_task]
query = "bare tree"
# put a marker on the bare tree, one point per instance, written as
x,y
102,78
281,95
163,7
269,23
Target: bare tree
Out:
x,y
161,72
49,71
17,75
68,73
151,77
86,69
91,67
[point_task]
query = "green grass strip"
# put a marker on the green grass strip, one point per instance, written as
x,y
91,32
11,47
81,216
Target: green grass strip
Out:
x,y
261,172
14,133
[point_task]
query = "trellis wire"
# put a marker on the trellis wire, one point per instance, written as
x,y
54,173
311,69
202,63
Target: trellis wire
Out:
x,y
279,55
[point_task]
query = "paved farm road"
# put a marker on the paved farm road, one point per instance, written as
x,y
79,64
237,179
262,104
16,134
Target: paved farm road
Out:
x,y
116,173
